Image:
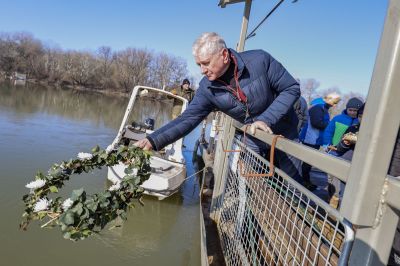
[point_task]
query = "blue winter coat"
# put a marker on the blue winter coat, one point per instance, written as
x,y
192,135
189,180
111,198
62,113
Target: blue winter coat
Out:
x,y
271,92
318,120
344,121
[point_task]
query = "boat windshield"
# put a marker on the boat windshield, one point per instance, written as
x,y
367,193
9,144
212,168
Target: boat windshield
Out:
x,y
158,106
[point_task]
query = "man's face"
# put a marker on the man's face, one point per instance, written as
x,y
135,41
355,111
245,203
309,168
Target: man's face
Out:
x,y
213,66
185,86
352,112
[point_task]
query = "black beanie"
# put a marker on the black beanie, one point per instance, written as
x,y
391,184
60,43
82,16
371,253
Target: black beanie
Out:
x,y
361,110
185,81
354,103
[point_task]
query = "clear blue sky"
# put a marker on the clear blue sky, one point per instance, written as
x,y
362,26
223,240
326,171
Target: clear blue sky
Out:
x,y
334,42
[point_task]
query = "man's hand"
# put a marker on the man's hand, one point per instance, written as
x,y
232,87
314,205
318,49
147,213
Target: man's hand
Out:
x,y
260,125
144,144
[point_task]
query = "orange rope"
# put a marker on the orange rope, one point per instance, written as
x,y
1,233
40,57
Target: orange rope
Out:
x,y
271,162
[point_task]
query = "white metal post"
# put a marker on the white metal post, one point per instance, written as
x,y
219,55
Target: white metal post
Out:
x,y
364,202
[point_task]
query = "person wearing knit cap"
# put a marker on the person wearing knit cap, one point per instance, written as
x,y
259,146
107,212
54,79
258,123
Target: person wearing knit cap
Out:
x,y
339,124
346,146
186,92
345,123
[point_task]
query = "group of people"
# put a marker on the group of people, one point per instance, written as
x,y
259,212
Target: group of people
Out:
x,y
255,89
332,136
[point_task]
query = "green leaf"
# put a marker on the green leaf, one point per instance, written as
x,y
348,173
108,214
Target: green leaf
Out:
x,y
53,189
92,206
67,218
95,149
67,235
78,209
148,153
76,194
128,170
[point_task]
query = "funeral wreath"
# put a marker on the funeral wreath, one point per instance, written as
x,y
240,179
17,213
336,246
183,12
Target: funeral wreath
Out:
x,y
82,215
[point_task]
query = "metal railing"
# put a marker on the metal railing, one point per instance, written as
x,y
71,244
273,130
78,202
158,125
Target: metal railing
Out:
x,y
274,220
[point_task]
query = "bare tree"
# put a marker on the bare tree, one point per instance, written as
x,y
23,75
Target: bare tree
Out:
x,y
80,68
52,61
308,89
132,66
167,71
106,58
30,51
8,54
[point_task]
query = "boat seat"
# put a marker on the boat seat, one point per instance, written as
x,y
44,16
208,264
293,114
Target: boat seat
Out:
x,y
133,134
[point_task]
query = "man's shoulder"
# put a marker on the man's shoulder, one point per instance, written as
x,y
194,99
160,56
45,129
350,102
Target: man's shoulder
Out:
x,y
203,84
255,54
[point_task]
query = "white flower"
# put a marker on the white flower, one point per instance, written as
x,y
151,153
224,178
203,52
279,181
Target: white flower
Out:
x,y
41,205
114,187
67,204
135,171
85,156
110,148
36,184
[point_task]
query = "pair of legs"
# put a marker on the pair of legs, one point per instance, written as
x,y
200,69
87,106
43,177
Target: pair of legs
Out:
x,y
306,168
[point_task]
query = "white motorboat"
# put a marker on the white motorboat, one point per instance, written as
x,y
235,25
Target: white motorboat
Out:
x,y
149,109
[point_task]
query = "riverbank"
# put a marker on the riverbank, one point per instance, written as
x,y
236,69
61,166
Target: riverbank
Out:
x,y
107,92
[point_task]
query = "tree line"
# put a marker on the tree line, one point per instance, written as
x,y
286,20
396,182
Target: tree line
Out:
x,y
103,69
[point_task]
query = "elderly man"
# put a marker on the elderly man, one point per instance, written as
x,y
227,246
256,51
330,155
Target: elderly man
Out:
x,y
251,87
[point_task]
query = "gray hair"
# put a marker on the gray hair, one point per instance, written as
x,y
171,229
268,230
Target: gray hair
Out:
x,y
208,43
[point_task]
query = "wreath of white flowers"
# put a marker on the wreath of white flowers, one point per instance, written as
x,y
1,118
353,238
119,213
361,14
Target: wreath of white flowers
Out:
x,y
81,215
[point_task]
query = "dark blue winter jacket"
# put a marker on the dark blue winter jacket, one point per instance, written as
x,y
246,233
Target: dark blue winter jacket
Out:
x,y
271,92
313,131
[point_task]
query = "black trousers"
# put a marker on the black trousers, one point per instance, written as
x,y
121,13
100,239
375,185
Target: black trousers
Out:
x,y
306,168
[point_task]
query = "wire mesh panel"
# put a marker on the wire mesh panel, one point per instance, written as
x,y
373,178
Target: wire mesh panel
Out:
x,y
273,220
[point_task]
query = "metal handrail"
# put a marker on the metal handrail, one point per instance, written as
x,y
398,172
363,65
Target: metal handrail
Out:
x,y
327,163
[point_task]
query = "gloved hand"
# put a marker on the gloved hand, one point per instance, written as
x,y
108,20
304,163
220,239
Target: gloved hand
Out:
x,y
260,125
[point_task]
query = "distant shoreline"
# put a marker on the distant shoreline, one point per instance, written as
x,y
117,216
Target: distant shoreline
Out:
x,y
73,87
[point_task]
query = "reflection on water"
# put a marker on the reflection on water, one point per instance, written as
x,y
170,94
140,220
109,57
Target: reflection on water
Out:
x,y
71,104
40,126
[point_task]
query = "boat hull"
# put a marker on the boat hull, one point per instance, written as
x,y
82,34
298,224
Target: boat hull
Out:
x,y
165,179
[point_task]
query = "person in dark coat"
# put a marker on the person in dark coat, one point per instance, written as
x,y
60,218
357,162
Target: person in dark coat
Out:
x,y
186,92
251,87
346,146
301,110
338,125
344,149
312,133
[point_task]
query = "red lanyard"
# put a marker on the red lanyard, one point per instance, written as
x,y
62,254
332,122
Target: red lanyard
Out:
x,y
237,91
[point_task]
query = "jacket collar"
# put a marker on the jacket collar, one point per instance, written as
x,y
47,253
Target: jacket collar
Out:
x,y
240,62
240,65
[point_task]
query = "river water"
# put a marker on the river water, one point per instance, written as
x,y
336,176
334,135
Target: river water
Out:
x,y
40,126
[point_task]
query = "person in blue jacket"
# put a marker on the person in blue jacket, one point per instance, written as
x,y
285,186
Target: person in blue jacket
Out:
x,y
251,87
339,124
312,133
